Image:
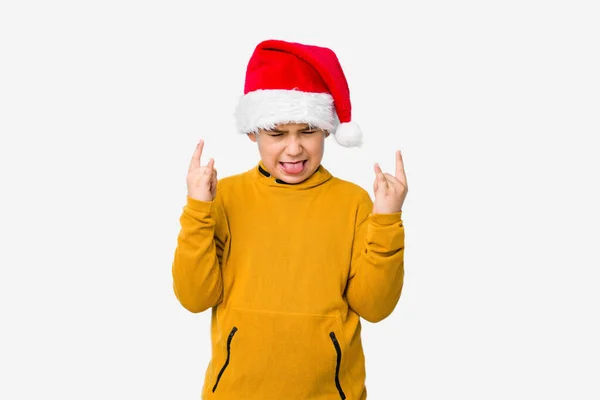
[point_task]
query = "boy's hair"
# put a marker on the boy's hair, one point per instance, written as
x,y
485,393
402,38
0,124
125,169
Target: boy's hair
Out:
x,y
297,83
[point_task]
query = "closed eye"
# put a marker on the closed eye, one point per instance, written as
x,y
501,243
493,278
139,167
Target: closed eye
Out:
x,y
274,133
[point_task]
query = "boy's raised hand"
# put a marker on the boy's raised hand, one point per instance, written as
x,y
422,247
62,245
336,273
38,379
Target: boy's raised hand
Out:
x,y
201,180
390,190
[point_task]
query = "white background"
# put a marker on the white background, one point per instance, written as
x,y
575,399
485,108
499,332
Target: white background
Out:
x,y
494,105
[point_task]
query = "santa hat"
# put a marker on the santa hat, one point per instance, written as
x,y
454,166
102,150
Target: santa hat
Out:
x,y
296,83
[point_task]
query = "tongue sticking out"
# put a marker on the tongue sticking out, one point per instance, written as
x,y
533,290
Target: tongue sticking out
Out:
x,y
293,168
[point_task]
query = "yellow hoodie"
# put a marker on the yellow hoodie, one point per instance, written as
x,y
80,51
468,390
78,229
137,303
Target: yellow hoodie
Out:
x,y
288,271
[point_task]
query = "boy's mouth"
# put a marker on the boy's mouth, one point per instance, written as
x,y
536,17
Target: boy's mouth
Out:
x,y
293,168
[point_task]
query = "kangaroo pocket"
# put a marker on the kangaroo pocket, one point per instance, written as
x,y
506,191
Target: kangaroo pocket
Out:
x,y
264,355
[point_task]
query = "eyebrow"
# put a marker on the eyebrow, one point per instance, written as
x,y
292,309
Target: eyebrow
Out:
x,y
307,128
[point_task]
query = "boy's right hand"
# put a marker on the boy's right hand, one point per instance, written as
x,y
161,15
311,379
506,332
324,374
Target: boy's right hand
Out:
x,y
201,180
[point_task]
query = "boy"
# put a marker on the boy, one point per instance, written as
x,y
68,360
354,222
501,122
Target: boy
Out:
x,y
287,256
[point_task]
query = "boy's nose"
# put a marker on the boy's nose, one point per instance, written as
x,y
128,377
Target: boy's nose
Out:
x,y
294,147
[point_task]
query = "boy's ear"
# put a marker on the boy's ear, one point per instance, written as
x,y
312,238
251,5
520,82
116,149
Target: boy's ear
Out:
x,y
252,136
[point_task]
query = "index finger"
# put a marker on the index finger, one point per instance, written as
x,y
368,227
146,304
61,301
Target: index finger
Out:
x,y
195,162
400,173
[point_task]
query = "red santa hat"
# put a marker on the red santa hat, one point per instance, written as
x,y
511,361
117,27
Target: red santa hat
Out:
x,y
297,83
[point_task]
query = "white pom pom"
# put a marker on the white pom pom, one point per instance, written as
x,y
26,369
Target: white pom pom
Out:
x,y
349,134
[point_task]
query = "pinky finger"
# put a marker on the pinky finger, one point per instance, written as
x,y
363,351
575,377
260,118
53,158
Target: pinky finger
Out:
x,y
210,167
379,175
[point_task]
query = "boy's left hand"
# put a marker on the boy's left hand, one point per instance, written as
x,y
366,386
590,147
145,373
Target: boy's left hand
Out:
x,y
390,190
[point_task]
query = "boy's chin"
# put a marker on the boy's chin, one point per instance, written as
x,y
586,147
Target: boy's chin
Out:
x,y
293,179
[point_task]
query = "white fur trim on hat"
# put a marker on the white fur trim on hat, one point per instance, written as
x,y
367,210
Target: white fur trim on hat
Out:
x,y
264,109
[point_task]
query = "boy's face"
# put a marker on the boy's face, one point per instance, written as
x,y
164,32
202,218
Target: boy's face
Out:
x,y
291,152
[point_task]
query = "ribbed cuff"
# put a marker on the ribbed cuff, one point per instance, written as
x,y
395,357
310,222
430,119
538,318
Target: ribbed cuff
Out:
x,y
386,219
199,205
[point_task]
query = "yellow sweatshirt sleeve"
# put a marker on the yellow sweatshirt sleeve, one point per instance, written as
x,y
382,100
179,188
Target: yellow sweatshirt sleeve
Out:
x,y
377,268
197,279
